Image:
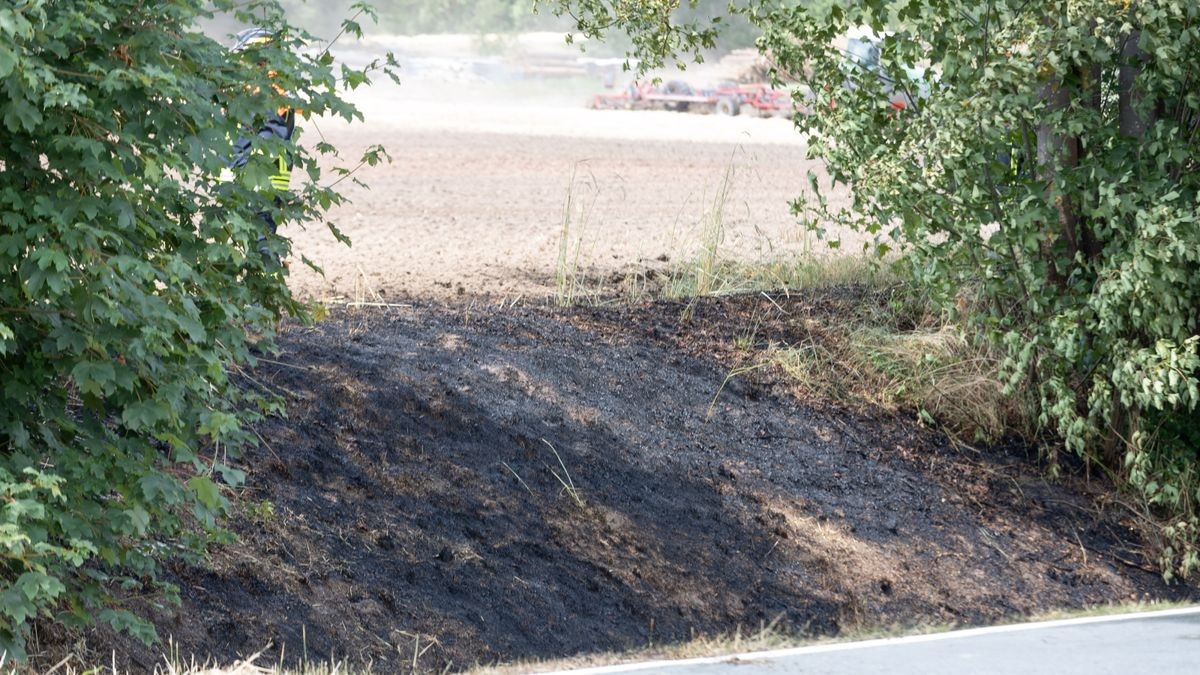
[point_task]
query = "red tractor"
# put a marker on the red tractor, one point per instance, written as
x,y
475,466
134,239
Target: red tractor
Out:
x,y
728,98
767,102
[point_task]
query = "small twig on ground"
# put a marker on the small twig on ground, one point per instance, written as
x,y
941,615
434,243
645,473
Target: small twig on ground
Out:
x,y
518,477
990,540
416,654
281,363
736,372
769,552
390,305
58,665
266,445
1082,548
781,309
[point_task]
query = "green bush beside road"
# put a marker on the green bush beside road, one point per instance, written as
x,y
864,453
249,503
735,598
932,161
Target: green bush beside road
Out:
x,y
1042,187
134,291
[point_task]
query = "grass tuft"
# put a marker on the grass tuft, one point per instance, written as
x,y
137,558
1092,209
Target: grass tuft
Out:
x,y
567,483
570,286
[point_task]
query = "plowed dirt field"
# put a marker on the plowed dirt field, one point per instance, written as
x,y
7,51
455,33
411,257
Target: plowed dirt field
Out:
x,y
475,201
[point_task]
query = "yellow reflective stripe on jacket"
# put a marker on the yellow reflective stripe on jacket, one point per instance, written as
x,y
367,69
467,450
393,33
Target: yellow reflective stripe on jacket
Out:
x,y
282,178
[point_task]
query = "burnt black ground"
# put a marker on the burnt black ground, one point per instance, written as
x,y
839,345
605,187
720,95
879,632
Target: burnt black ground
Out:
x,y
412,498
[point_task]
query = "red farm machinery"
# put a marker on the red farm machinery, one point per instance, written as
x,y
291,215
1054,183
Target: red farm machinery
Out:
x,y
727,98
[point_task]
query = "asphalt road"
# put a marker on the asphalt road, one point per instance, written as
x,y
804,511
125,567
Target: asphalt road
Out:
x,y
1162,643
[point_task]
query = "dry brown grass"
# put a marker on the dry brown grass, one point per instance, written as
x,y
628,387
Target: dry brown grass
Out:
x,y
937,372
885,347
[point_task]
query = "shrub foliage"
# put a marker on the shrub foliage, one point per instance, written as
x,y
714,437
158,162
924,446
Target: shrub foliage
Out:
x,y
1043,176
133,287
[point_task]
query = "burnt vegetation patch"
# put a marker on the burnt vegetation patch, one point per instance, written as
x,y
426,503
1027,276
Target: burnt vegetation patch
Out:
x,y
453,486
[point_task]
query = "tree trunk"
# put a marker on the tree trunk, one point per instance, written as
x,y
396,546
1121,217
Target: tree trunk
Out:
x,y
1136,115
1089,77
1055,152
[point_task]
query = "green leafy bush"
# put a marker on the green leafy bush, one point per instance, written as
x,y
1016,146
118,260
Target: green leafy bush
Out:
x,y
133,288
1043,175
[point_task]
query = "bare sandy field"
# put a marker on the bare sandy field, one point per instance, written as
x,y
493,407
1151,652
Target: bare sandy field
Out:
x,y
475,200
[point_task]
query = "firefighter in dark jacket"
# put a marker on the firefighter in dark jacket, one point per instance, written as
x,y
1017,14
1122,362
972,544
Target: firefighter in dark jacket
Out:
x,y
279,124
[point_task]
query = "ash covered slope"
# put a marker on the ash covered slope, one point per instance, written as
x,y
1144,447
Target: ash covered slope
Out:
x,y
416,489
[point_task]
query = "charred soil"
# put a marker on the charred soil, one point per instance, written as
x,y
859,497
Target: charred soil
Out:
x,y
484,484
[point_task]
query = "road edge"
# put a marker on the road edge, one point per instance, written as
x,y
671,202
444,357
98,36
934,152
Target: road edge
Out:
x,y
880,642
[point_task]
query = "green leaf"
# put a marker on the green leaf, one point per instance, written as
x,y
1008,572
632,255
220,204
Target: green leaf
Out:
x,y
6,338
94,377
139,519
207,493
140,415
21,115
125,621
8,61
232,477
39,586
18,607
157,487
218,424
